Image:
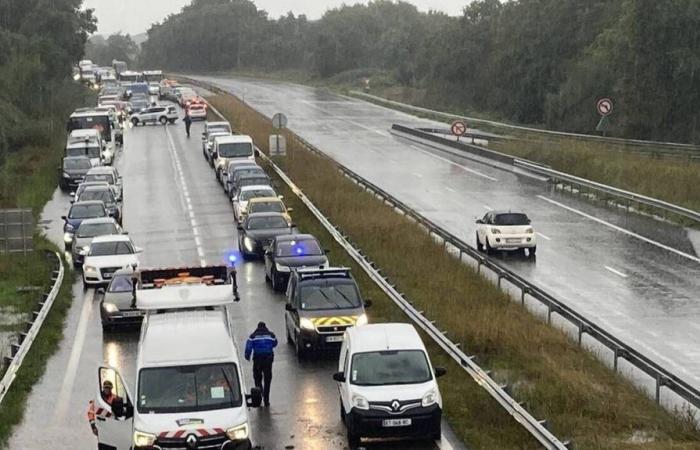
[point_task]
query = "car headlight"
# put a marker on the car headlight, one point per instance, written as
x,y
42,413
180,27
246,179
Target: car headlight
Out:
x,y
248,243
110,307
361,320
68,237
429,399
495,231
243,205
360,402
306,323
142,439
89,269
66,175
529,231
281,268
238,433
69,228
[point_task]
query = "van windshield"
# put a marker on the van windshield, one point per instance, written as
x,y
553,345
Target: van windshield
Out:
x,y
235,150
77,164
98,121
329,295
390,367
188,388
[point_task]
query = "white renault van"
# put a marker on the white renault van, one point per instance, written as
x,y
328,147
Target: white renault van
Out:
x,y
235,147
190,391
387,384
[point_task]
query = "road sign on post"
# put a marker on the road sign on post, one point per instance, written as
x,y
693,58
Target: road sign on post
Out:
x,y
278,144
459,128
604,106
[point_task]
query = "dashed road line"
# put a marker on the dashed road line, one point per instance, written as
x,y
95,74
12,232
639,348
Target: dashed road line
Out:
x,y
543,236
466,169
620,229
449,189
616,272
186,194
487,207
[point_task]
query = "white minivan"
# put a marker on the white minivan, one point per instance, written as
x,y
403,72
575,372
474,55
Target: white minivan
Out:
x,y
387,384
235,147
189,390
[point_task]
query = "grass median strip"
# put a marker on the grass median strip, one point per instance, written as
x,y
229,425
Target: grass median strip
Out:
x,y
582,399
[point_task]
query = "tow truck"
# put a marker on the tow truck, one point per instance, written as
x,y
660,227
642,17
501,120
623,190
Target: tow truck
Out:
x,y
189,390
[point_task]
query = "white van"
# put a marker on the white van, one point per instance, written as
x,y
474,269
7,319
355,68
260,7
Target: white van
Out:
x,y
387,384
236,147
189,391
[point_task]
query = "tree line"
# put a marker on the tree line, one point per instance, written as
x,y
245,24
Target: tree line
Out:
x,y
40,42
543,62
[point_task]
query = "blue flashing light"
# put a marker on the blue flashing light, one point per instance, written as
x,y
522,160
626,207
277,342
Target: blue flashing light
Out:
x,y
300,250
232,258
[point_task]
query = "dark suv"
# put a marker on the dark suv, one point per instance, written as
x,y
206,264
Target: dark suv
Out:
x,y
321,305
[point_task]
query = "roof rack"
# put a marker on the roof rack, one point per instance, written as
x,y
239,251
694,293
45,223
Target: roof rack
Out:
x,y
309,273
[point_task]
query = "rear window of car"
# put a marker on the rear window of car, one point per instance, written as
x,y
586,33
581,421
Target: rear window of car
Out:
x,y
120,283
512,219
87,211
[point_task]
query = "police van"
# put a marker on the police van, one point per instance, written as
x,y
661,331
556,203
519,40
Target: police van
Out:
x,y
189,391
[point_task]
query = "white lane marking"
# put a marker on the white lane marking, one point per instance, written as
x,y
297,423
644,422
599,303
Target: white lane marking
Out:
x,y
337,117
449,189
417,175
543,236
616,272
466,169
74,358
621,230
487,207
185,191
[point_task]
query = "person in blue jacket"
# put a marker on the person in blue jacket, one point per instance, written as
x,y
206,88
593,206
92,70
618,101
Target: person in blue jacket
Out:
x,y
261,344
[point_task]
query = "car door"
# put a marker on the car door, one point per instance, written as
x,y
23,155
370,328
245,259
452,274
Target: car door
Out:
x,y
289,317
481,227
114,422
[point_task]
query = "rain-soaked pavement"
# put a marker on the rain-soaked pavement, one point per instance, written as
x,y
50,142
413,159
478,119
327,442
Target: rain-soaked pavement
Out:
x,y
637,277
164,173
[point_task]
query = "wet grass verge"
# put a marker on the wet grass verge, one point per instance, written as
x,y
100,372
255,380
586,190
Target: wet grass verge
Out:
x,y
36,270
581,398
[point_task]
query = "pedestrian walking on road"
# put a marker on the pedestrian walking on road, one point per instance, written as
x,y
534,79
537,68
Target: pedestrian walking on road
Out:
x,y
261,344
111,399
188,123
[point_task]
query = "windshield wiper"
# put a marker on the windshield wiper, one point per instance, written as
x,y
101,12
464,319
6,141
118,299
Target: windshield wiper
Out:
x,y
329,299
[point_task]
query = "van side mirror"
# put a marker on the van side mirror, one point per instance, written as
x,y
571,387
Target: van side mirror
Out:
x,y
440,371
368,303
64,218
254,399
326,251
339,377
290,210
288,307
479,221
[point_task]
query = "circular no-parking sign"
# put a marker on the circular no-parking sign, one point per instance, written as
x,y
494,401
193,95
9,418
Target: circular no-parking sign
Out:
x,y
604,106
459,128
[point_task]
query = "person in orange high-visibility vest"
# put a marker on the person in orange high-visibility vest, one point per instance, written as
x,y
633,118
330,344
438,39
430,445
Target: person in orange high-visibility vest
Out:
x,y
109,397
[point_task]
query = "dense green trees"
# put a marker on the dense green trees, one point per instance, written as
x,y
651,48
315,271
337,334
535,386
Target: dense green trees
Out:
x,y
118,46
528,61
40,41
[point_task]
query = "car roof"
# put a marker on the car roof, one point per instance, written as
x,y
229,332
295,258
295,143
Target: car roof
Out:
x,y
76,157
88,113
254,187
98,220
112,238
101,170
296,237
88,202
503,211
253,175
186,337
265,199
85,132
266,214
98,187
384,336
219,123
234,138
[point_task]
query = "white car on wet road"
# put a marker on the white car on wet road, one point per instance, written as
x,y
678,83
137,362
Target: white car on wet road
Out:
x,y
505,230
108,254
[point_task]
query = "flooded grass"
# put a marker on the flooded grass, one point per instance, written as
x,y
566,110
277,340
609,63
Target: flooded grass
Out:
x,y
581,398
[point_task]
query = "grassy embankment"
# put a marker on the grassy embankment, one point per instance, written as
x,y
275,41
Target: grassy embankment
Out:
x,y
28,180
582,399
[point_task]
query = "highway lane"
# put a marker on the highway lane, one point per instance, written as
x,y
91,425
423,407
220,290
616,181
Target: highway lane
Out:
x,y
638,277
177,212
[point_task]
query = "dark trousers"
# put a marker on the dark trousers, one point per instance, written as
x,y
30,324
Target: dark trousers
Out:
x,y
187,128
262,374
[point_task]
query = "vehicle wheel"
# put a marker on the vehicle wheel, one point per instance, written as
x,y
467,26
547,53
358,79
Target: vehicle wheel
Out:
x,y
274,280
301,353
171,121
436,435
289,336
163,120
135,122
353,440
85,285
532,251
342,412
489,250
267,277
479,247
106,328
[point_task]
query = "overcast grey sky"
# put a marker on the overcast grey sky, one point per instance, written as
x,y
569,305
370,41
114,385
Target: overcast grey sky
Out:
x,y
135,16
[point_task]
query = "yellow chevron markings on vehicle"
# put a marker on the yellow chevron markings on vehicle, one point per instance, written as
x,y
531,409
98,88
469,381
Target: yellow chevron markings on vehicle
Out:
x,y
330,321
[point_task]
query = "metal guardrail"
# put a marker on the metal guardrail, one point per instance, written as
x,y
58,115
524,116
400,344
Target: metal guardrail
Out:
x,y
688,149
554,175
537,428
661,376
20,350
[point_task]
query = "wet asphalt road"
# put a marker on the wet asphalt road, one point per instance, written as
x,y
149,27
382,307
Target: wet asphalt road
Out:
x,y
175,209
637,277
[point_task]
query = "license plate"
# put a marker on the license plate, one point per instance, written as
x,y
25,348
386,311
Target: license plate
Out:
x,y
107,275
396,422
334,338
131,313
513,241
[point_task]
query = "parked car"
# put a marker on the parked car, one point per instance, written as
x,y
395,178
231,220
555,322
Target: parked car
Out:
x,y
237,168
89,229
117,307
78,212
105,194
505,230
290,252
108,174
208,145
243,195
197,111
72,171
108,254
155,114
269,204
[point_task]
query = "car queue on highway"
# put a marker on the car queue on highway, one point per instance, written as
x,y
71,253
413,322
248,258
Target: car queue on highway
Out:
x,y
386,383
